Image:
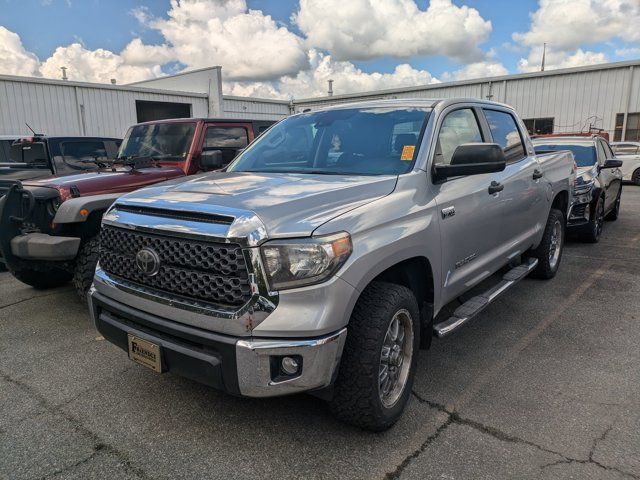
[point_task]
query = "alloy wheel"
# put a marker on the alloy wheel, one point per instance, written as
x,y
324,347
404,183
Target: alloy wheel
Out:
x,y
395,358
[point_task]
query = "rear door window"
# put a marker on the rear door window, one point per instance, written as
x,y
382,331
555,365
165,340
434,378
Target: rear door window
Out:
x,y
505,133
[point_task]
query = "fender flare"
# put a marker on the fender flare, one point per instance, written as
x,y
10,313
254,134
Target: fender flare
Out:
x,y
70,211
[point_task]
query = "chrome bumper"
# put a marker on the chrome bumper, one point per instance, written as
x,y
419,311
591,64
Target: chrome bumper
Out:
x,y
255,363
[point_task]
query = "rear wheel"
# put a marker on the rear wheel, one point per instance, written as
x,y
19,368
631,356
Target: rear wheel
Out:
x,y
549,252
379,359
593,229
86,267
42,279
635,178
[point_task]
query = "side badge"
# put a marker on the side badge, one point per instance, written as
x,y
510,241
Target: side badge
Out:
x,y
448,212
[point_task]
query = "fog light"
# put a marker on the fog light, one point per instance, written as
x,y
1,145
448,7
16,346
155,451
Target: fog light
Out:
x,y
289,365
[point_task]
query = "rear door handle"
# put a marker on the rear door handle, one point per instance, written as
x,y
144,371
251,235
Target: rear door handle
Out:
x,y
537,174
495,187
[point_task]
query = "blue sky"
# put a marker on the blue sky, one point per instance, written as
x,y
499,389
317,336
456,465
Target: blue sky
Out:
x,y
107,24
44,25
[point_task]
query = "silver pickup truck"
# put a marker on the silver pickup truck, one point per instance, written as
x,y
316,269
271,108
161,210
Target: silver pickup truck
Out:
x,y
320,259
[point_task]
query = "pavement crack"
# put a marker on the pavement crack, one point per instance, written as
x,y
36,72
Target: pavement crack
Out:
x,y
99,446
33,298
454,417
416,453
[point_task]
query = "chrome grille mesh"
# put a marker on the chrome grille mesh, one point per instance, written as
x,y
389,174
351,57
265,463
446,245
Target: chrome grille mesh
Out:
x,y
210,272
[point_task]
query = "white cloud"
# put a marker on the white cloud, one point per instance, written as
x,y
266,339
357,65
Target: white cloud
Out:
x,y
628,52
14,58
477,70
347,78
95,65
559,59
364,29
569,24
247,43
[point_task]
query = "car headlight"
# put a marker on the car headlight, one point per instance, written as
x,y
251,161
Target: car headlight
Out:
x,y
582,188
305,261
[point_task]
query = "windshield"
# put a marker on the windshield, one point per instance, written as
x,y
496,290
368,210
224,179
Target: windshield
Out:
x,y
33,154
163,141
585,155
357,141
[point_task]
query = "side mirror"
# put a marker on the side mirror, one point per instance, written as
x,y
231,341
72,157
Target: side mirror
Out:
x,y
472,159
211,160
611,163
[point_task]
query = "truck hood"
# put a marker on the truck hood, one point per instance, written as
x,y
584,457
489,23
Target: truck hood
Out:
x,y
109,181
287,204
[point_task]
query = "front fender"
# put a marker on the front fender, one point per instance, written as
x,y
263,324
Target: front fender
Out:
x,y
77,210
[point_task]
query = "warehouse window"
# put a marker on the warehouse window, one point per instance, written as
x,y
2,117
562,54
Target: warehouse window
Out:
x,y
632,133
147,111
539,126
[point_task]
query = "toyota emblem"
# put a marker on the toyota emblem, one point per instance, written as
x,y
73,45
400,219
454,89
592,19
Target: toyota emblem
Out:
x,y
148,262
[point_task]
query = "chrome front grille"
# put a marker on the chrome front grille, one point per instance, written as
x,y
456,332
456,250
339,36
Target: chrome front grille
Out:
x,y
205,271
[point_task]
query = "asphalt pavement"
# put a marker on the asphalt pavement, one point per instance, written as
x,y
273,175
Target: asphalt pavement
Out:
x,y
544,384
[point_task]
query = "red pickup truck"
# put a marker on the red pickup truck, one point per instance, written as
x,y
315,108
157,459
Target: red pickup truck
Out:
x,y
49,227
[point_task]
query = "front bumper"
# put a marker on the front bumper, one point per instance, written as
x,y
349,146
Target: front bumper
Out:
x,y
245,366
40,246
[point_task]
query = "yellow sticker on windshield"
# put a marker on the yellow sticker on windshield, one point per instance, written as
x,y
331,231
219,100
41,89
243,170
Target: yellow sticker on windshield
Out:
x,y
407,152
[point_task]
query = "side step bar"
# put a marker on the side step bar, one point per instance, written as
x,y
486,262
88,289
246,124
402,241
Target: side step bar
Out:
x,y
475,305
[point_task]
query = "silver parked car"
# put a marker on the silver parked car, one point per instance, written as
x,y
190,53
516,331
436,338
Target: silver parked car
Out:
x,y
321,258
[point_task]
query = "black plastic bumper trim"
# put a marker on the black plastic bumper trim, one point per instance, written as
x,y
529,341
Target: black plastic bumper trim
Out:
x,y
194,353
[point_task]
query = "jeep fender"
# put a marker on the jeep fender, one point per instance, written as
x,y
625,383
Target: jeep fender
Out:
x,y
77,210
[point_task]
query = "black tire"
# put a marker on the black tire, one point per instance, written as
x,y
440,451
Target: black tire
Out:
x,y
612,216
548,262
591,231
635,177
86,267
3,267
357,398
43,279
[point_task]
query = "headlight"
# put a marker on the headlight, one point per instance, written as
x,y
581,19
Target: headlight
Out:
x,y
305,261
582,188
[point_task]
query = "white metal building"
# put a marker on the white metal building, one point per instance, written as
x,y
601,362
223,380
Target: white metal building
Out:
x,y
603,97
61,107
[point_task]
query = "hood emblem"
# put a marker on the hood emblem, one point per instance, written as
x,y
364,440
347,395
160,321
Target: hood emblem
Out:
x,y
148,262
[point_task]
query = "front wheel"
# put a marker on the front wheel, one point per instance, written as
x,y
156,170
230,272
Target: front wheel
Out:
x,y
549,252
612,216
593,229
379,359
635,178
86,267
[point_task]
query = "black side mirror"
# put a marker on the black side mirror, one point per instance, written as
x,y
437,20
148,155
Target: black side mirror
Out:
x,y
611,163
211,160
472,159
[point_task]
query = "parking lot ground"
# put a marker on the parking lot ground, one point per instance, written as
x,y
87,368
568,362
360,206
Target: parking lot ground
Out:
x,y
544,384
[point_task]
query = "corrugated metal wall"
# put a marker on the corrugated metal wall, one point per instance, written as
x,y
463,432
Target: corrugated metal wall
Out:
x,y
576,100
237,107
53,108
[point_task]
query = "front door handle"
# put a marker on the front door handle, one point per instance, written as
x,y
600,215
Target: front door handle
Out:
x,y
537,174
495,187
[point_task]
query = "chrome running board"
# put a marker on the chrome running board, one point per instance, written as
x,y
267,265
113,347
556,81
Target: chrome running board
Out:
x,y
475,305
